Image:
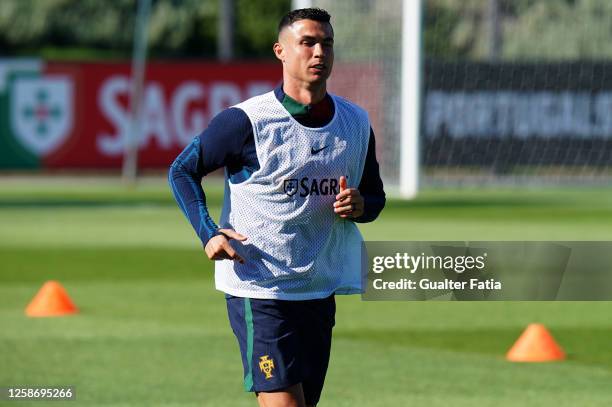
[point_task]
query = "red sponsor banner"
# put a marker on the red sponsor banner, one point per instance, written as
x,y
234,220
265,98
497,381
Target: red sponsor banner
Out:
x,y
179,100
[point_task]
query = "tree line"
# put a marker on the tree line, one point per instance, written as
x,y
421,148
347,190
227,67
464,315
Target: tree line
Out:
x,y
453,29
94,29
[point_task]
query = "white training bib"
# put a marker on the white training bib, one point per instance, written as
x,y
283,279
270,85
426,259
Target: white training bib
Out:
x,y
297,247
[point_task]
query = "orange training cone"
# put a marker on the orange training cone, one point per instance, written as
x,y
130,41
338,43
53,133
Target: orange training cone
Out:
x,y
535,344
51,300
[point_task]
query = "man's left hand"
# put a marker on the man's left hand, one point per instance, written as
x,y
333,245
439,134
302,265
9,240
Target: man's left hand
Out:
x,y
349,202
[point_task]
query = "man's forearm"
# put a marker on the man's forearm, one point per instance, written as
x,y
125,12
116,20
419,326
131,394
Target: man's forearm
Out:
x,y
373,205
184,180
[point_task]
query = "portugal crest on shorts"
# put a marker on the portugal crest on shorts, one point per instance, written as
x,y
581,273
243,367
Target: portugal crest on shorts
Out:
x,y
266,365
291,186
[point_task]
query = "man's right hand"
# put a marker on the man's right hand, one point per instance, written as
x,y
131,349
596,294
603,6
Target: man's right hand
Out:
x,y
219,248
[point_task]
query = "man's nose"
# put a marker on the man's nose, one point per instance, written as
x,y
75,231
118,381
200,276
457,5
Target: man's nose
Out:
x,y
319,50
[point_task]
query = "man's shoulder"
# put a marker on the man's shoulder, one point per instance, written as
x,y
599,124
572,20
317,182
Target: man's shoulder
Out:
x,y
256,100
229,123
352,106
232,116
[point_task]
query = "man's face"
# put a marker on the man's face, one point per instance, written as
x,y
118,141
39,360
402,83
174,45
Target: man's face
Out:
x,y
306,48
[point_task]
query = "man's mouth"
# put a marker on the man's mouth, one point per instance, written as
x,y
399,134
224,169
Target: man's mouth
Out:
x,y
319,67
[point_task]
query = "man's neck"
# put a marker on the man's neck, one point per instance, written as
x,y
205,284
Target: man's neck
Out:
x,y
306,95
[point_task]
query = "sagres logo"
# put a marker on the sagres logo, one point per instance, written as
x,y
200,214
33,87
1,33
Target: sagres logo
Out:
x,y
266,366
42,112
311,186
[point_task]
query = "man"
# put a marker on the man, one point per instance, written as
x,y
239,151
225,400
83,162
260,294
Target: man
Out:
x,y
300,170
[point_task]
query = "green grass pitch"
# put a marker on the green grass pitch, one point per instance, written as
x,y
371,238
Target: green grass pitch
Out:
x,y
152,330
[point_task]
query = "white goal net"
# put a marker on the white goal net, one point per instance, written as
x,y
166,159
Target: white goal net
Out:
x,y
513,91
367,69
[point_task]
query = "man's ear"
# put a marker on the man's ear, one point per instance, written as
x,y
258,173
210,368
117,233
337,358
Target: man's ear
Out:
x,y
279,51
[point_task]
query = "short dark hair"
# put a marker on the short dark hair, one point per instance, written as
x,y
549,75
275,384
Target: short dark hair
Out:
x,y
316,14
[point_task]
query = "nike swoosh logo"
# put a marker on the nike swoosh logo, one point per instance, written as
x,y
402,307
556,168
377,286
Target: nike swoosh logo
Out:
x,y
317,150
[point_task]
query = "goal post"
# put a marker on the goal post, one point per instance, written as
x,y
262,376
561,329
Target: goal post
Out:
x,y
412,69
